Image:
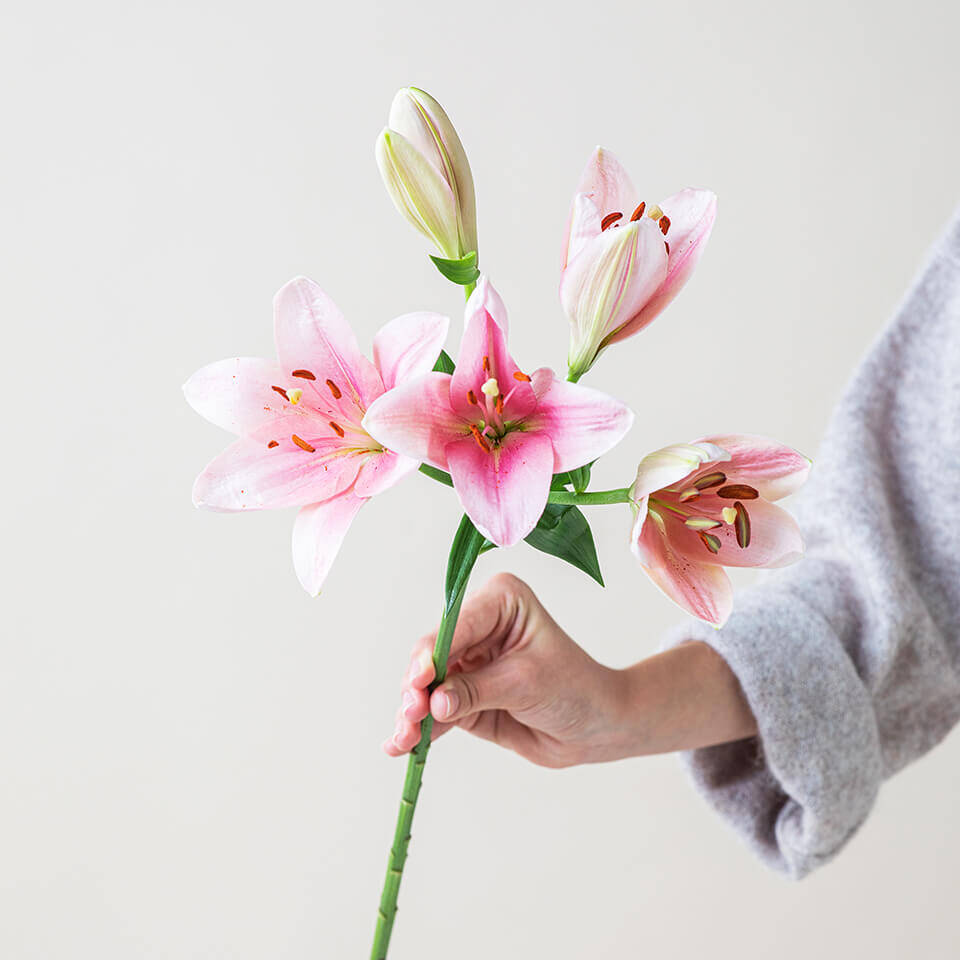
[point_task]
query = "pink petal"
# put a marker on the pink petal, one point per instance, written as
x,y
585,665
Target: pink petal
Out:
x,y
611,280
691,213
415,419
584,224
249,475
582,424
504,491
775,539
605,182
702,589
381,471
483,354
774,469
236,394
312,335
668,466
408,346
317,534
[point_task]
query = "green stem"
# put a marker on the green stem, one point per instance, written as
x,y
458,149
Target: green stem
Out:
x,y
591,499
466,548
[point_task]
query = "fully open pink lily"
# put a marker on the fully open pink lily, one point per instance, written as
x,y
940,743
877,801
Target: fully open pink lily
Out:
x,y
707,505
501,433
624,260
302,443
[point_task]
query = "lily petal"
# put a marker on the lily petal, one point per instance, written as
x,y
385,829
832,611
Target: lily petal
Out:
x,y
408,346
381,471
485,299
236,394
503,491
583,424
702,589
607,184
312,334
669,465
773,468
691,213
415,418
318,533
249,475
584,224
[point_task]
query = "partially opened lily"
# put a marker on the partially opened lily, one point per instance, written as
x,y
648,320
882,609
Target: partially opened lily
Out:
x,y
425,170
302,443
500,432
625,259
707,505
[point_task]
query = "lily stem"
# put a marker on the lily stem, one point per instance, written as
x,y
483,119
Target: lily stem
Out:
x,y
466,548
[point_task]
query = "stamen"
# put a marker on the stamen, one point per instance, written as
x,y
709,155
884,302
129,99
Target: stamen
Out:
x,y
281,391
742,525
498,403
738,491
664,224
486,364
336,428
334,390
702,523
522,377
728,514
609,219
655,213
666,246
711,542
303,375
710,480
472,397
272,444
294,395
691,493
302,444
638,213
475,430
491,388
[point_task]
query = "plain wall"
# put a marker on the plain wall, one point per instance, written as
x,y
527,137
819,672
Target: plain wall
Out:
x,y
189,745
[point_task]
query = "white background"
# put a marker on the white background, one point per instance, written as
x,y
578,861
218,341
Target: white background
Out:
x,y
189,745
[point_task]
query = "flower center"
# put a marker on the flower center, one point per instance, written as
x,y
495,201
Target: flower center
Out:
x,y
490,428
613,218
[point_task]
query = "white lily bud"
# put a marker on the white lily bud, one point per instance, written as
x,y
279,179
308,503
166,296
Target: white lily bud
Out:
x,y
426,132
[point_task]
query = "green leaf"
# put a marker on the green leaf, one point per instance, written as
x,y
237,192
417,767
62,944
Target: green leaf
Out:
x,y
464,551
563,532
580,478
463,271
444,363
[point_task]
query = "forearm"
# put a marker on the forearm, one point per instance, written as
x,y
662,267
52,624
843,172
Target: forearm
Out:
x,y
684,698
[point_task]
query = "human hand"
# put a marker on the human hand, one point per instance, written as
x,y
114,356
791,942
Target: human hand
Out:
x,y
517,679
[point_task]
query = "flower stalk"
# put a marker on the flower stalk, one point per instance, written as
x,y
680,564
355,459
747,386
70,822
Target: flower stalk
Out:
x,y
467,545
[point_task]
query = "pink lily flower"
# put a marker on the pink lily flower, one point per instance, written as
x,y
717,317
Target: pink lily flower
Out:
x,y
500,432
302,443
624,260
707,505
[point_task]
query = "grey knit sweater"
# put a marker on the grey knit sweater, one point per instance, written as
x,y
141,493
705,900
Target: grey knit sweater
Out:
x,y
850,660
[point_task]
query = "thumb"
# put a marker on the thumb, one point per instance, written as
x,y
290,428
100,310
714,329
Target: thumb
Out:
x,y
498,686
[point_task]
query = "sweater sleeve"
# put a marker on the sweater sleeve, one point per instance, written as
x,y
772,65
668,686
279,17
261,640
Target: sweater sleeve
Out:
x,y
850,659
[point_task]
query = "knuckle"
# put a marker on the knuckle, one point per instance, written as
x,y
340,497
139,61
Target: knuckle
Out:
x,y
509,583
468,693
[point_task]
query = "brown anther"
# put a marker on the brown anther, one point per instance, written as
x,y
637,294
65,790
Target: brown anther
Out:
x,y
710,480
479,437
522,377
711,542
472,397
272,444
610,219
486,364
334,390
638,213
666,246
742,525
281,391
498,404
303,375
302,444
738,491
336,428
691,493
664,223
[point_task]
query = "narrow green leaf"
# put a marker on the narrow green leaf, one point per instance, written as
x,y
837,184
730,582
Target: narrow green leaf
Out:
x,y
463,554
463,271
563,532
444,363
580,478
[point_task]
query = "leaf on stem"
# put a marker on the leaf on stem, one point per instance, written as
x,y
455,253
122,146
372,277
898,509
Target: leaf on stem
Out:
x,y
444,363
462,271
563,532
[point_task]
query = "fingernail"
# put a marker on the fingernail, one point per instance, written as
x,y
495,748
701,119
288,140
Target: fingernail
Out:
x,y
447,703
424,662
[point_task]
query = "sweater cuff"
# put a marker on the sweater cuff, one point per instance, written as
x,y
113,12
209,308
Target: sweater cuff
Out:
x,y
800,789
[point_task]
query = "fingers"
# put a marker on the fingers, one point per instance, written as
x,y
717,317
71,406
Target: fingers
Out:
x,y
506,684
